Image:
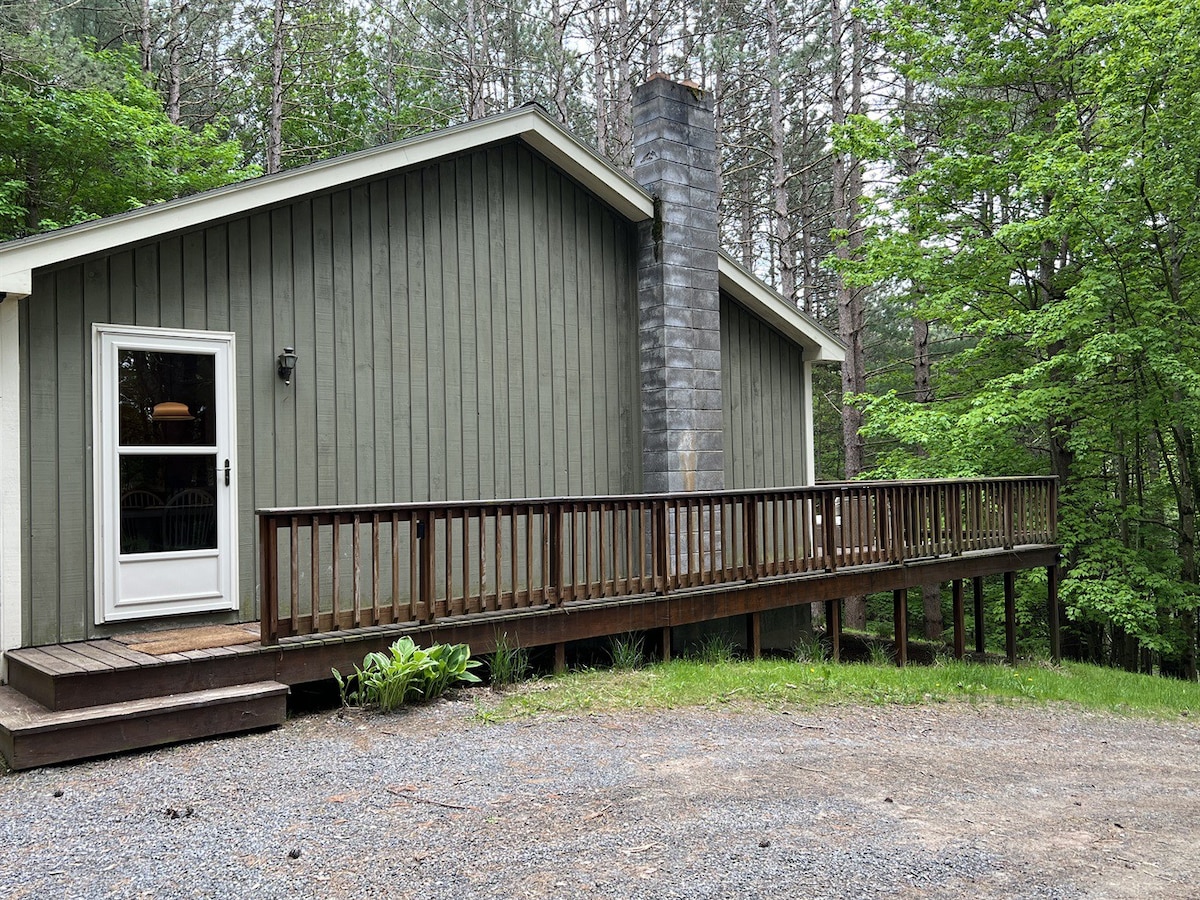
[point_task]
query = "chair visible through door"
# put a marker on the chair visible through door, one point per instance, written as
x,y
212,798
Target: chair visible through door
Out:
x,y
190,522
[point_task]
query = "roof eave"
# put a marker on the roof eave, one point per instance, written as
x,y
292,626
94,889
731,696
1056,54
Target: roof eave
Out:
x,y
20,259
819,344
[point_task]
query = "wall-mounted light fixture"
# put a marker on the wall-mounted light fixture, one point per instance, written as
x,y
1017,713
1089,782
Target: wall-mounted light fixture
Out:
x,y
287,364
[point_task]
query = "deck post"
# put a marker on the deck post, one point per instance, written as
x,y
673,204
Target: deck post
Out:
x,y
833,628
900,610
269,599
960,619
664,643
1010,617
1052,601
560,657
754,635
977,592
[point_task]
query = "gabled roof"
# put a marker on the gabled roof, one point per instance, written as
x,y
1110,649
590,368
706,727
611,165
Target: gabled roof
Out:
x,y
819,344
530,124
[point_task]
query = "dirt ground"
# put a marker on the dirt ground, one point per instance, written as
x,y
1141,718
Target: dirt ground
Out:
x,y
1108,806
942,801
939,801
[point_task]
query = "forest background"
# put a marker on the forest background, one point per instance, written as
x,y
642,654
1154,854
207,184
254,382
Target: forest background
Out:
x,y
995,204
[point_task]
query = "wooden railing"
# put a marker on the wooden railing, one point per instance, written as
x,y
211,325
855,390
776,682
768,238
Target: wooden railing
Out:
x,y
334,568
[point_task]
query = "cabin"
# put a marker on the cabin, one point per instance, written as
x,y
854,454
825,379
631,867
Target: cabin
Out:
x,y
326,387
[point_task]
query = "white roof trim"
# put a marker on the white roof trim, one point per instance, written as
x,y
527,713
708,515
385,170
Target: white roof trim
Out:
x,y
531,124
820,345
19,259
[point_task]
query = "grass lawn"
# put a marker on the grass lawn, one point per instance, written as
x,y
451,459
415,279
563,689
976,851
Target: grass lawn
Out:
x,y
811,684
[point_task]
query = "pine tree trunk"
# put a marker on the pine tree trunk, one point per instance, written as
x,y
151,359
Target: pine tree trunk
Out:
x,y
847,190
146,39
174,65
781,224
275,117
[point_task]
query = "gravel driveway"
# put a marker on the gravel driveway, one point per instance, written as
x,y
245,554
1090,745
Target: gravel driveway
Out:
x,y
945,801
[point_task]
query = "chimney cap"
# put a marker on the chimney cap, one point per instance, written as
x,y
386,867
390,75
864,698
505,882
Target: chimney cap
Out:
x,y
687,84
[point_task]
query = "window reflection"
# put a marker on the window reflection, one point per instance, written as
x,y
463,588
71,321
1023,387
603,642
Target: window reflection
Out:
x,y
168,503
166,399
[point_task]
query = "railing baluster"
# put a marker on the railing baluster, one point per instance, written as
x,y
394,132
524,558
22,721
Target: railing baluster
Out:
x,y
553,566
294,568
314,592
529,555
336,612
396,567
587,551
356,586
480,603
415,612
499,558
375,568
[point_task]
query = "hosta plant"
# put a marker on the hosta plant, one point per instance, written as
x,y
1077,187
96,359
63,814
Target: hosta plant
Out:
x,y
406,673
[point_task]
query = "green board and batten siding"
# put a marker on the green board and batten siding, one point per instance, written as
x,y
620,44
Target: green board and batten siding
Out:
x,y
467,329
762,394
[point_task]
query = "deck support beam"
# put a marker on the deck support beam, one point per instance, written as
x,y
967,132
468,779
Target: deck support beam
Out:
x,y
900,611
560,658
1052,601
960,619
664,643
977,596
754,635
833,628
1010,617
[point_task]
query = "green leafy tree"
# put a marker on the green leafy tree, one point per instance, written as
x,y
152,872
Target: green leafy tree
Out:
x,y
1052,226
82,135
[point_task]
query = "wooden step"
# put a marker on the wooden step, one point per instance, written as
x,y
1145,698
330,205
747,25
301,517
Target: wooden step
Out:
x,y
32,735
97,673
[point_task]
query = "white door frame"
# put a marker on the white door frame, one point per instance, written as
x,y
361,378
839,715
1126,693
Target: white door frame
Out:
x,y
145,585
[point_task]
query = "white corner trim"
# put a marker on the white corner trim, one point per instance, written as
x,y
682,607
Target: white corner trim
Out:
x,y
808,425
820,345
11,599
19,259
17,285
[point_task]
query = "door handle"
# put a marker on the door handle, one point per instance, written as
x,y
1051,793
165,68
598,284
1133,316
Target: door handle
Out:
x,y
226,473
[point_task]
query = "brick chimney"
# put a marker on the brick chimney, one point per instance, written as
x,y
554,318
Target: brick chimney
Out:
x,y
675,160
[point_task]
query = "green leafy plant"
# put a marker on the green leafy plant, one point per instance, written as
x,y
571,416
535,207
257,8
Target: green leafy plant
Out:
x,y
406,672
714,648
627,651
508,663
809,648
880,654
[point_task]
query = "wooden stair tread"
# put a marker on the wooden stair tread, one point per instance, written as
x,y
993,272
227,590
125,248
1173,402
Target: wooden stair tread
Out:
x,y
18,712
32,735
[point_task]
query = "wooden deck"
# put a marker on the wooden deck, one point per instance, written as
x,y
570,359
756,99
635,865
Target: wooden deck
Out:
x,y
662,563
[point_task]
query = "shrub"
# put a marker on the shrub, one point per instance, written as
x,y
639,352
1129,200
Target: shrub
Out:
x,y
406,672
508,663
810,648
627,651
715,648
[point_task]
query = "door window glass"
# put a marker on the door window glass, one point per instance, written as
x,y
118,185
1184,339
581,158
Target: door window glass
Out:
x,y
166,398
168,503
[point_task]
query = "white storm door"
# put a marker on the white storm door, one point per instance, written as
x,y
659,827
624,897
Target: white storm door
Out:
x,y
166,510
